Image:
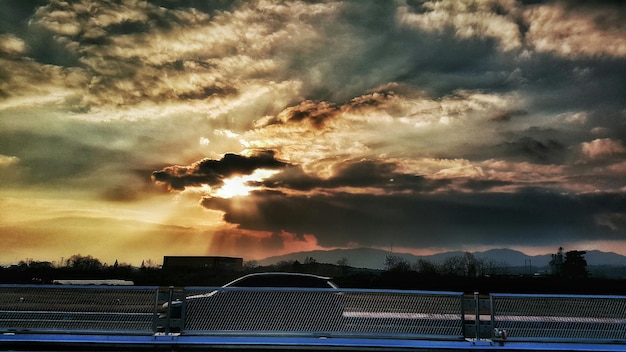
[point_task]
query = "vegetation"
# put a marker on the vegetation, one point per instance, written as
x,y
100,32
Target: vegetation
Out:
x,y
567,274
463,266
572,265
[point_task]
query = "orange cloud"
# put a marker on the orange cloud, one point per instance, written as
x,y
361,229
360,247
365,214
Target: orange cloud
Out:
x,y
602,147
576,33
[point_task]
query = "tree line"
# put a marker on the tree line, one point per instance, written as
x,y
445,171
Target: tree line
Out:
x,y
398,272
465,265
571,265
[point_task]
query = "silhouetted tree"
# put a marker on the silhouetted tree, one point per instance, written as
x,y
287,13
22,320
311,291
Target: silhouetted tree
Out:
x,y
396,263
343,264
37,265
288,265
250,265
425,267
84,263
343,261
492,267
460,265
471,265
575,265
556,263
453,266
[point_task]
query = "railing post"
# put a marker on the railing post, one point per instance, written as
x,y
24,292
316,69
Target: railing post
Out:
x,y
477,317
170,299
172,318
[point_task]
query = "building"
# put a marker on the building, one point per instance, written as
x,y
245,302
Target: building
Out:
x,y
206,263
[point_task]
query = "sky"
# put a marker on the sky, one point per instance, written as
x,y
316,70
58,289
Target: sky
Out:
x,y
131,130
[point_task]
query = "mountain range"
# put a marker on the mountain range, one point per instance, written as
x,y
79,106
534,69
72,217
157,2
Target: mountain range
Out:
x,y
375,258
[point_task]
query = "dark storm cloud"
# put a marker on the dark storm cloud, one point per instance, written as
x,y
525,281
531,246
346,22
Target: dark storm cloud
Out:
x,y
562,84
439,63
424,214
537,150
371,174
14,14
537,217
213,172
353,174
503,116
484,185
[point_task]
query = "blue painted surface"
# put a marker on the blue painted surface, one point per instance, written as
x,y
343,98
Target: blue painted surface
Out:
x,y
270,342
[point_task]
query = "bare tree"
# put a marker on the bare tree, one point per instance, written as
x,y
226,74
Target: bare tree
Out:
x,y
471,265
492,267
396,263
424,266
149,263
343,261
453,266
461,265
250,265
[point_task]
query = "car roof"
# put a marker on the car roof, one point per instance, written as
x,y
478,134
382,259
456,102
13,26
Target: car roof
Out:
x,y
278,274
285,273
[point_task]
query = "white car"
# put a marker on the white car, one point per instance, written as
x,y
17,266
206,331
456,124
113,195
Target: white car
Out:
x,y
267,301
276,279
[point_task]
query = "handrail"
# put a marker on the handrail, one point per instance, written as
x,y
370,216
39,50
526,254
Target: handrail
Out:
x,y
563,318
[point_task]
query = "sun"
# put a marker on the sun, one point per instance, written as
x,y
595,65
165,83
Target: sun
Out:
x,y
233,187
239,186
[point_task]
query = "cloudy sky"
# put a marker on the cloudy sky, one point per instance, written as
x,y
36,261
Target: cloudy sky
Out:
x,y
131,129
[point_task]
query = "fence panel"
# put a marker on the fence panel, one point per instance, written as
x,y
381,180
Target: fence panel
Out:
x,y
72,309
383,313
560,317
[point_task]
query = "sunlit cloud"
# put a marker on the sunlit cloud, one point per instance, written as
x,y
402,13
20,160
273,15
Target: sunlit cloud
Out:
x,y
6,161
467,20
583,32
603,147
11,46
557,28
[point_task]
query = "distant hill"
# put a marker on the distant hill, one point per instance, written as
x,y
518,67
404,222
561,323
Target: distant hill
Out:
x,y
605,258
357,257
514,258
375,258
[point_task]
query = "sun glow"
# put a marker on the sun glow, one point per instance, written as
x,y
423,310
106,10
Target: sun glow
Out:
x,y
239,186
233,187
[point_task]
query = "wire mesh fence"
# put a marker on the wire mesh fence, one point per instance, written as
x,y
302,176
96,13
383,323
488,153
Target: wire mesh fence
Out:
x,y
560,317
35,308
324,312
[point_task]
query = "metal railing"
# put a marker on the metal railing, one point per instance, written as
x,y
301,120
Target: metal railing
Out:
x,y
576,318
82,309
168,315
